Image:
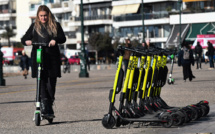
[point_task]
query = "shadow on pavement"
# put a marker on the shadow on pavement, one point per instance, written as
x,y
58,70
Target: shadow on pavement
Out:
x,y
16,102
77,121
202,80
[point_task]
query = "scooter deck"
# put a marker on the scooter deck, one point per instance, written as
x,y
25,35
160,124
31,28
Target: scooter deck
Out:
x,y
48,116
142,119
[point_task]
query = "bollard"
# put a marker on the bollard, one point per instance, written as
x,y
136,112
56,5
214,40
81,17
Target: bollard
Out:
x,y
2,80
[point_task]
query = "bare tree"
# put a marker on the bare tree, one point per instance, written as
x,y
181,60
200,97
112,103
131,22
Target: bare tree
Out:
x,y
8,34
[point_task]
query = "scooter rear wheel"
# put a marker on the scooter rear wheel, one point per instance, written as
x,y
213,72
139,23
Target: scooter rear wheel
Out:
x,y
195,114
167,120
177,119
108,121
37,119
118,121
207,108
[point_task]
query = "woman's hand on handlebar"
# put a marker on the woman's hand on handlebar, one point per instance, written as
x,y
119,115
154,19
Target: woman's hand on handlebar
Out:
x,y
28,42
52,43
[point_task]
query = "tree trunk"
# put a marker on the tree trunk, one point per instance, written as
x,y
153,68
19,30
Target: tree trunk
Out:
x,y
8,42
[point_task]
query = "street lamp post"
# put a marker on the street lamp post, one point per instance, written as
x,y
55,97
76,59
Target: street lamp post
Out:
x,y
2,80
179,46
82,54
143,26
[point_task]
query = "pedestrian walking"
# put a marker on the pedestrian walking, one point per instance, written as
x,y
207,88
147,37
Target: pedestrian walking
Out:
x,y
210,55
126,55
206,55
185,59
46,29
87,60
198,54
24,64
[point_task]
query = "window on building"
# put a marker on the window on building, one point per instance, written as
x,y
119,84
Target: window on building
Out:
x,y
166,30
151,31
157,45
94,12
32,7
200,6
66,16
101,29
132,31
102,11
157,31
48,1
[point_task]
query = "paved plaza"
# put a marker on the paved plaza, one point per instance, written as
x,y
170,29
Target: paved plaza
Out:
x,y
82,102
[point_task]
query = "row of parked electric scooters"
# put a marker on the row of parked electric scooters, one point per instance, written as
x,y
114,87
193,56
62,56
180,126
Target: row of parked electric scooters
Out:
x,y
140,100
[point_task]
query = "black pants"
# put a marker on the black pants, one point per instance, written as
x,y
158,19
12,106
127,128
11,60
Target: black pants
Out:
x,y
187,72
198,62
48,87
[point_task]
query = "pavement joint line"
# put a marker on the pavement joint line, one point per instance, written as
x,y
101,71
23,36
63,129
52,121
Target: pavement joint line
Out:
x,y
17,91
85,83
13,86
56,87
78,80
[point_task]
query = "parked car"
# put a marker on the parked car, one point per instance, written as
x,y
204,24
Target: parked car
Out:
x,y
5,61
74,60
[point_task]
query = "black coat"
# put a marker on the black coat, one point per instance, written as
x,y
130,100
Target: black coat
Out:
x,y
51,55
210,50
198,49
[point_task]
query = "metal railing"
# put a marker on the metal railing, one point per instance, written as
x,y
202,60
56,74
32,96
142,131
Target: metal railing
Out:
x,y
101,17
148,16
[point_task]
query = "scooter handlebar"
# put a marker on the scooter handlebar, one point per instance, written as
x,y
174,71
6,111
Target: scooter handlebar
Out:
x,y
131,49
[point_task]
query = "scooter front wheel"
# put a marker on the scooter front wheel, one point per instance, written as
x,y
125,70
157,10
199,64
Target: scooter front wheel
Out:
x,y
108,121
169,81
37,119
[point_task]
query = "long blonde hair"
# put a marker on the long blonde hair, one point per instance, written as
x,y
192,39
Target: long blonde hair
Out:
x,y
51,25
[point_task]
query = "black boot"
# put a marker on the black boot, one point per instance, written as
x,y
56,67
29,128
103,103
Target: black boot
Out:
x,y
44,107
50,108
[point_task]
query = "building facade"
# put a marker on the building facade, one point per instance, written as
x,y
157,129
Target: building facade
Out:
x,y
120,18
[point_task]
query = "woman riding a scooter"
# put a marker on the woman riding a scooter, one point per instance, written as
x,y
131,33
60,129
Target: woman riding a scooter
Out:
x,y
46,29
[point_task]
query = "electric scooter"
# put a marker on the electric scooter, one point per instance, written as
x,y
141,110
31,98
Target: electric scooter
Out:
x,y
194,111
38,117
151,107
170,79
122,114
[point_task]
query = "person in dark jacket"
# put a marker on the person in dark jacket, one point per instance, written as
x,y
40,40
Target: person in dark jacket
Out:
x,y
24,64
198,54
210,54
46,30
186,63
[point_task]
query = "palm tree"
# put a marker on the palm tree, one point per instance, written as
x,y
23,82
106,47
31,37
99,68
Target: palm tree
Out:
x,y
8,34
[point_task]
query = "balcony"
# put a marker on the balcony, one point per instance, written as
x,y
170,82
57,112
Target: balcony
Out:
x,y
55,5
147,16
101,17
71,34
